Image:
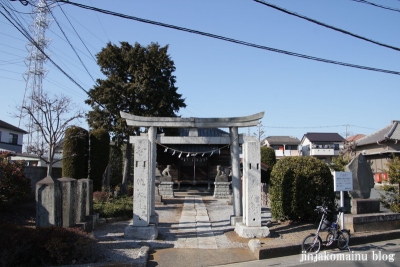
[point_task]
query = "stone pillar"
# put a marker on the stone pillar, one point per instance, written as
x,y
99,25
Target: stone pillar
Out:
x,y
141,228
89,195
48,202
157,196
85,217
80,203
236,179
141,188
68,192
152,135
251,225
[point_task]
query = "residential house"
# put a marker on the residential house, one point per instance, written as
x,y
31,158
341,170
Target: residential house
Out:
x,y
11,137
323,146
379,147
283,145
354,138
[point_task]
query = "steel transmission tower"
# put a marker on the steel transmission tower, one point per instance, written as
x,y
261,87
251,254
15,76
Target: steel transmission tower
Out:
x,y
36,72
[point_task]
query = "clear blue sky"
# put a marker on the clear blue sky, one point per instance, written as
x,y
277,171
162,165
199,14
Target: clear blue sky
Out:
x,y
222,79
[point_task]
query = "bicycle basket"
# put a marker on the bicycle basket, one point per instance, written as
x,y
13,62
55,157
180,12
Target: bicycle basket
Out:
x,y
325,224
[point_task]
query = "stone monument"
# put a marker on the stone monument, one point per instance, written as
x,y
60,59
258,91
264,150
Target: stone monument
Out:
x,y
221,183
363,181
166,187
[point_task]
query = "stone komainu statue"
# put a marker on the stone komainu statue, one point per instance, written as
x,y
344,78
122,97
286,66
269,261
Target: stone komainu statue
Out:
x,y
166,171
166,175
221,175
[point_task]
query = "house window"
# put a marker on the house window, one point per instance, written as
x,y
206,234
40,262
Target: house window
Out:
x,y
336,146
13,139
0,136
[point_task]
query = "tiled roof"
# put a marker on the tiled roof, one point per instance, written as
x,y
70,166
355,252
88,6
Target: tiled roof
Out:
x,y
279,140
8,126
324,137
354,137
390,132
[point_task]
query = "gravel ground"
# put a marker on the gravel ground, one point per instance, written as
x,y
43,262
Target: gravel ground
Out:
x,y
115,248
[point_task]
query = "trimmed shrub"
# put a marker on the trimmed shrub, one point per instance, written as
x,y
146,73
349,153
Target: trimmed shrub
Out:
x,y
22,246
268,157
14,185
75,156
298,185
391,198
100,197
99,156
116,207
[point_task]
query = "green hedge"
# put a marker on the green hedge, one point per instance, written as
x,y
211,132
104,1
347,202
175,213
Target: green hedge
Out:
x,y
298,185
116,165
75,155
99,156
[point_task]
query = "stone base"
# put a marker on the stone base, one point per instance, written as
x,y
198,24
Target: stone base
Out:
x,y
93,219
372,222
164,179
149,232
166,189
221,190
236,219
158,200
85,226
251,232
363,206
230,200
154,219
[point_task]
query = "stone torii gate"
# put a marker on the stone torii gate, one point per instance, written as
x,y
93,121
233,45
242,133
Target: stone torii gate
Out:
x,y
145,219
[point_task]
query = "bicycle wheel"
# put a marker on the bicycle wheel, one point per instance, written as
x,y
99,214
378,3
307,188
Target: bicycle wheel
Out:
x,y
311,244
343,239
329,239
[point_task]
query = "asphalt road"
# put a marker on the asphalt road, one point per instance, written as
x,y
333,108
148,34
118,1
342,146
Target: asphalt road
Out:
x,y
386,253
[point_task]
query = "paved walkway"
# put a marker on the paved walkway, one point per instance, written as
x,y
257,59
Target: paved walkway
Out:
x,y
194,229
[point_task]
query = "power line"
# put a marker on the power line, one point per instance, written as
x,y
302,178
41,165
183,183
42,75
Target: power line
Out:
x,y
25,33
70,44
326,25
376,5
22,31
230,39
76,31
101,24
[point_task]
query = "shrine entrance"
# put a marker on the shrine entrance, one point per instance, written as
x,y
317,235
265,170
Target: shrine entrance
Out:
x,y
246,212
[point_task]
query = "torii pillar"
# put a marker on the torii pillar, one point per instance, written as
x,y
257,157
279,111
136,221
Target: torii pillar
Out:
x,y
236,179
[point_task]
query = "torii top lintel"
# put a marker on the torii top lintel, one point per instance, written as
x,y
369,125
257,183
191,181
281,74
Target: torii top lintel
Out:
x,y
177,122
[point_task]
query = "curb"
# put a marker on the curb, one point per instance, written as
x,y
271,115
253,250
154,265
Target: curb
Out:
x,y
289,250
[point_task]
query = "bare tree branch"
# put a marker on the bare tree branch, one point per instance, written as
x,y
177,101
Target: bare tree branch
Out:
x,y
51,116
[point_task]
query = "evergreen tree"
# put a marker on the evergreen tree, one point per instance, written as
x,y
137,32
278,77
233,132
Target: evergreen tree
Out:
x,y
268,157
138,81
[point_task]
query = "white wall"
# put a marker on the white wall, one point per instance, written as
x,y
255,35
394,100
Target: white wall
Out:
x,y
5,136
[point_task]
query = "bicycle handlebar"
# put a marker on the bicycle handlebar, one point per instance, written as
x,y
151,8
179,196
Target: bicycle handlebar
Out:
x,y
322,208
